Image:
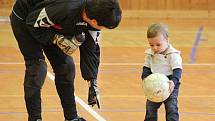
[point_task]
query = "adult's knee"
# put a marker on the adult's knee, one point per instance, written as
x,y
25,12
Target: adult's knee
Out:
x,y
65,72
35,73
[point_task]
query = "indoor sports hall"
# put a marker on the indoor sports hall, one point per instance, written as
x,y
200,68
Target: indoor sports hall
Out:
x,y
192,31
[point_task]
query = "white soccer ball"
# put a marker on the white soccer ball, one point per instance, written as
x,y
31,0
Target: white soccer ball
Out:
x,y
156,87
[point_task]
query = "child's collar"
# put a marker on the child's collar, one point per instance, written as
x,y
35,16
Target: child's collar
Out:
x,y
167,51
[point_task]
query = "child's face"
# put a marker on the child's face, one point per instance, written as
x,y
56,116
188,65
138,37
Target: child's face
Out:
x,y
158,44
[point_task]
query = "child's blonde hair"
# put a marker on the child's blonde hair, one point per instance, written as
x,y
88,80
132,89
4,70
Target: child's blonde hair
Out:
x,y
157,28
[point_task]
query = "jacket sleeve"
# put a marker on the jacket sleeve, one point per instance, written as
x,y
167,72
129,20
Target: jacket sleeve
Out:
x,y
176,76
90,55
146,72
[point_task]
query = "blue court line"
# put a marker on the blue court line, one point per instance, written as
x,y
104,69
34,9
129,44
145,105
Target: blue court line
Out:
x,y
110,110
195,46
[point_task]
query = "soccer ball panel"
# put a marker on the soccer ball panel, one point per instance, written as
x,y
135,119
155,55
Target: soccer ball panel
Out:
x,y
156,87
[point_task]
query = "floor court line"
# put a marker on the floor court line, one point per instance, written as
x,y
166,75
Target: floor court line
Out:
x,y
78,100
116,96
82,103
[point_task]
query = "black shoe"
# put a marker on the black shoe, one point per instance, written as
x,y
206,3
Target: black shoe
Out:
x,y
36,120
77,119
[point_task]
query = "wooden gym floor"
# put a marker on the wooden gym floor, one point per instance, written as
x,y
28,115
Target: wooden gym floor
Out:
x,y
122,56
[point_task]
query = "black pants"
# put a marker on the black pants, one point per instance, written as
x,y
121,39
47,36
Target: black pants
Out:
x,y
35,72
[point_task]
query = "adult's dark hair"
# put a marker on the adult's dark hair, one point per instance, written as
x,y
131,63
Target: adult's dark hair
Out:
x,y
106,12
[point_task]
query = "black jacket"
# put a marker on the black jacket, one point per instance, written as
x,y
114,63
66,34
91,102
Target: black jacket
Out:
x,y
45,18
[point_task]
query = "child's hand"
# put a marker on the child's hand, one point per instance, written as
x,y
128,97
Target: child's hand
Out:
x,y
171,86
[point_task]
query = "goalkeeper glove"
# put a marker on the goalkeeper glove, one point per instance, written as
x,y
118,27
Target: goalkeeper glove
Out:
x,y
93,94
69,46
